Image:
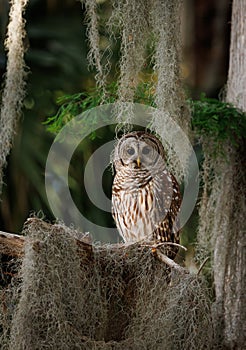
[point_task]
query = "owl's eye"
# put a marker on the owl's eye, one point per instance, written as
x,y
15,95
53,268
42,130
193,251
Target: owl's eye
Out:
x,y
146,150
131,151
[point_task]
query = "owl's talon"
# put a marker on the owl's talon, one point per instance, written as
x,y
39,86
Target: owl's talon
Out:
x,y
153,250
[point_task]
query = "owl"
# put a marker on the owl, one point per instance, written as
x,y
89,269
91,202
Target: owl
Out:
x,y
146,197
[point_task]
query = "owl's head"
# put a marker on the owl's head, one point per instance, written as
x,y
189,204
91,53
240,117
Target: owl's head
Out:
x,y
138,150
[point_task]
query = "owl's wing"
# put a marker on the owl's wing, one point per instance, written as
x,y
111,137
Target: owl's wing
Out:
x,y
116,205
167,196
167,208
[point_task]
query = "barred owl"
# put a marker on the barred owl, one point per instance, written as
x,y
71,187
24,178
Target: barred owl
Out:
x,y
145,196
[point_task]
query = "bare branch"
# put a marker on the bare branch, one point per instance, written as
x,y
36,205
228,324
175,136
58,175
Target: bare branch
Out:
x,y
202,266
166,260
11,244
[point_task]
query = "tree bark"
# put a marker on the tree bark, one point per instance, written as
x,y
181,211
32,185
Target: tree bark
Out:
x,y
229,253
236,84
11,244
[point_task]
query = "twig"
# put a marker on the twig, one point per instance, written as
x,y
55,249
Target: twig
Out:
x,y
202,266
170,243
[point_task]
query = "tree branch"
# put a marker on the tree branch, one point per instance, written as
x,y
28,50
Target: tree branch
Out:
x,y
11,244
166,260
14,245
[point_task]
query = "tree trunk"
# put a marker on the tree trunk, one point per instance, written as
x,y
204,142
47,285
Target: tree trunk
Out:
x,y
236,85
229,253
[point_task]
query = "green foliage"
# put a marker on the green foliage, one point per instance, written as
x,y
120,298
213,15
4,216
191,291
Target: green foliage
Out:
x,y
73,105
219,121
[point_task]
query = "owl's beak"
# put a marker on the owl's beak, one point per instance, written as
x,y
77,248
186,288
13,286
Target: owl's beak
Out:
x,y
138,162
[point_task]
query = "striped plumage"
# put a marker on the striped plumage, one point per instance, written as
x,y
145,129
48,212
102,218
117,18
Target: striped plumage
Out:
x,y
145,196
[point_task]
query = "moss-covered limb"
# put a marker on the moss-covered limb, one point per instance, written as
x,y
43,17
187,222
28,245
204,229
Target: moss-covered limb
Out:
x,y
14,245
119,298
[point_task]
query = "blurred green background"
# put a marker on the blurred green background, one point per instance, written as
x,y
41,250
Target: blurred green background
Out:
x,y
56,56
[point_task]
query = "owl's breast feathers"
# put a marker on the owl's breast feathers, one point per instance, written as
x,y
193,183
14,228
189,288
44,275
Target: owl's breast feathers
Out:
x,y
145,205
